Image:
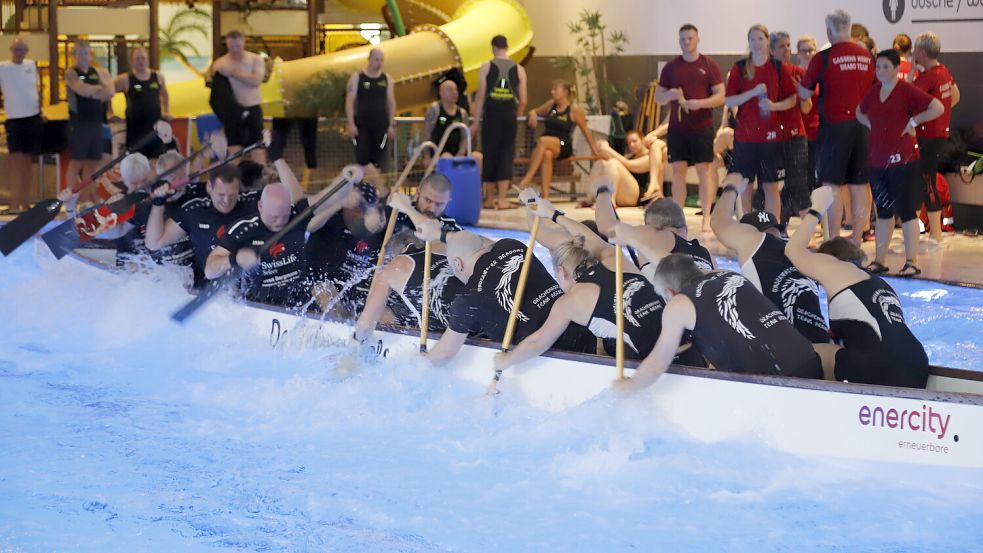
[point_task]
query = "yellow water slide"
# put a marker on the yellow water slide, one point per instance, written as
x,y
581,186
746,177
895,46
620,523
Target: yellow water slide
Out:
x,y
443,34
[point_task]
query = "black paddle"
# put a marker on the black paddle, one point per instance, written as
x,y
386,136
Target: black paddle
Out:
x,y
27,224
350,174
68,236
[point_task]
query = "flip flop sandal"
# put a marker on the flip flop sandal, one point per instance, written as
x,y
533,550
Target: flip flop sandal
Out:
x,y
909,270
876,268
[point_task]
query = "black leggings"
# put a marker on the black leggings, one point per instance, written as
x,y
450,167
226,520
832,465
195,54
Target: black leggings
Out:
x,y
896,191
930,150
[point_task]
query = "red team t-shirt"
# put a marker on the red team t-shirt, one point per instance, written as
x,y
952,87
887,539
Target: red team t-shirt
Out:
x,y
938,82
696,79
751,125
792,120
846,77
887,146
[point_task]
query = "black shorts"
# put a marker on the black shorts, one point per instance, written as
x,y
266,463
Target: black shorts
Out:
x,y
498,146
764,161
930,150
86,141
897,191
566,148
24,135
370,146
248,129
813,157
879,367
795,194
843,153
692,148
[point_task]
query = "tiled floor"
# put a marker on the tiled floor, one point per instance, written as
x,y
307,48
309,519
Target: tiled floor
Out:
x,y
959,259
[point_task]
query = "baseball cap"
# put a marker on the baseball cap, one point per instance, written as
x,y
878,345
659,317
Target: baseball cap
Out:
x,y
761,220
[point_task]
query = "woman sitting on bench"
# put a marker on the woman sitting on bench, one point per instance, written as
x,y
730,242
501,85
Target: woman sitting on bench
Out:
x,y
560,116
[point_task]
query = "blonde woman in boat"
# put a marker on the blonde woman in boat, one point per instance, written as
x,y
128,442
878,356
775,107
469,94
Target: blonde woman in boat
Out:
x,y
584,266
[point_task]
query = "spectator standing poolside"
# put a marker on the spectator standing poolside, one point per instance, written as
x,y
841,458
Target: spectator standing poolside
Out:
x,y
692,86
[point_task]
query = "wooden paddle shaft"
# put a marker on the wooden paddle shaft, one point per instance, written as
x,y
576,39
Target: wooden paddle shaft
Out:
x,y
425,309
520,287
619,311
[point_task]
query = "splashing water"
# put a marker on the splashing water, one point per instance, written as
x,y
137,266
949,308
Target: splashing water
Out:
x,y
122,431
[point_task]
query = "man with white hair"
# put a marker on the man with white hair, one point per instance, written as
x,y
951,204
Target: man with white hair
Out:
x,y
125,222
278,274
22,104
844,73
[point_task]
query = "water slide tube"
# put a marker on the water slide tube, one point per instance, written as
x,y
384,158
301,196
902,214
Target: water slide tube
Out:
x,y
445,34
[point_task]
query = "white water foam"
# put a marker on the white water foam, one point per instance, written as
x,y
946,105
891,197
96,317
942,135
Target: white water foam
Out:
x,y
120,430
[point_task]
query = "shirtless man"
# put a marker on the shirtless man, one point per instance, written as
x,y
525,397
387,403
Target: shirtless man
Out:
x,y
245,71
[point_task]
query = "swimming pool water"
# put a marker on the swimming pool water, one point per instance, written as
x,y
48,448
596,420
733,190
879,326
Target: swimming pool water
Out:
x,y
120,431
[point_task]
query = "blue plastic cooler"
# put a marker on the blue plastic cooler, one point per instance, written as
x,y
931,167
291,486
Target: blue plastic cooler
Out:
x,y
465,204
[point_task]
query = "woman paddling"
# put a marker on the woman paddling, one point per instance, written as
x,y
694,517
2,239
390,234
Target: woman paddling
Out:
x,y
584,267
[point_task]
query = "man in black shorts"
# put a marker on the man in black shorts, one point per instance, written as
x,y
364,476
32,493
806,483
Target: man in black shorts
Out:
x,y
146,103
692,87
501,95
22,104
89,90
844,73
370,110
245,71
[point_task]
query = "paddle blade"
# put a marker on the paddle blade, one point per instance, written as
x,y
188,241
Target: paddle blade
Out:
x,y
63,239
200,300
29,223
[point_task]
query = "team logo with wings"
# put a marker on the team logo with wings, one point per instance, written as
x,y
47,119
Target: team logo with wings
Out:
x,y
727,305
503,290
792,290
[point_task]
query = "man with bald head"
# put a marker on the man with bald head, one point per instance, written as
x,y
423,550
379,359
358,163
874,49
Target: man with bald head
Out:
x,y
22,103
370,109
278,274
442,114
490,273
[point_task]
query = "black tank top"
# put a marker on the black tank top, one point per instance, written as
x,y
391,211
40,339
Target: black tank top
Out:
x,y
868,316
444,287
739,330
370,102
445,120
482,308
797,295
502,84
558,123
143,99
643,179
643,310
693,249
82,109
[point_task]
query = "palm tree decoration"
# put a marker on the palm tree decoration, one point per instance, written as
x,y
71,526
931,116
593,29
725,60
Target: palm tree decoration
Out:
x,y
594,39
174,38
